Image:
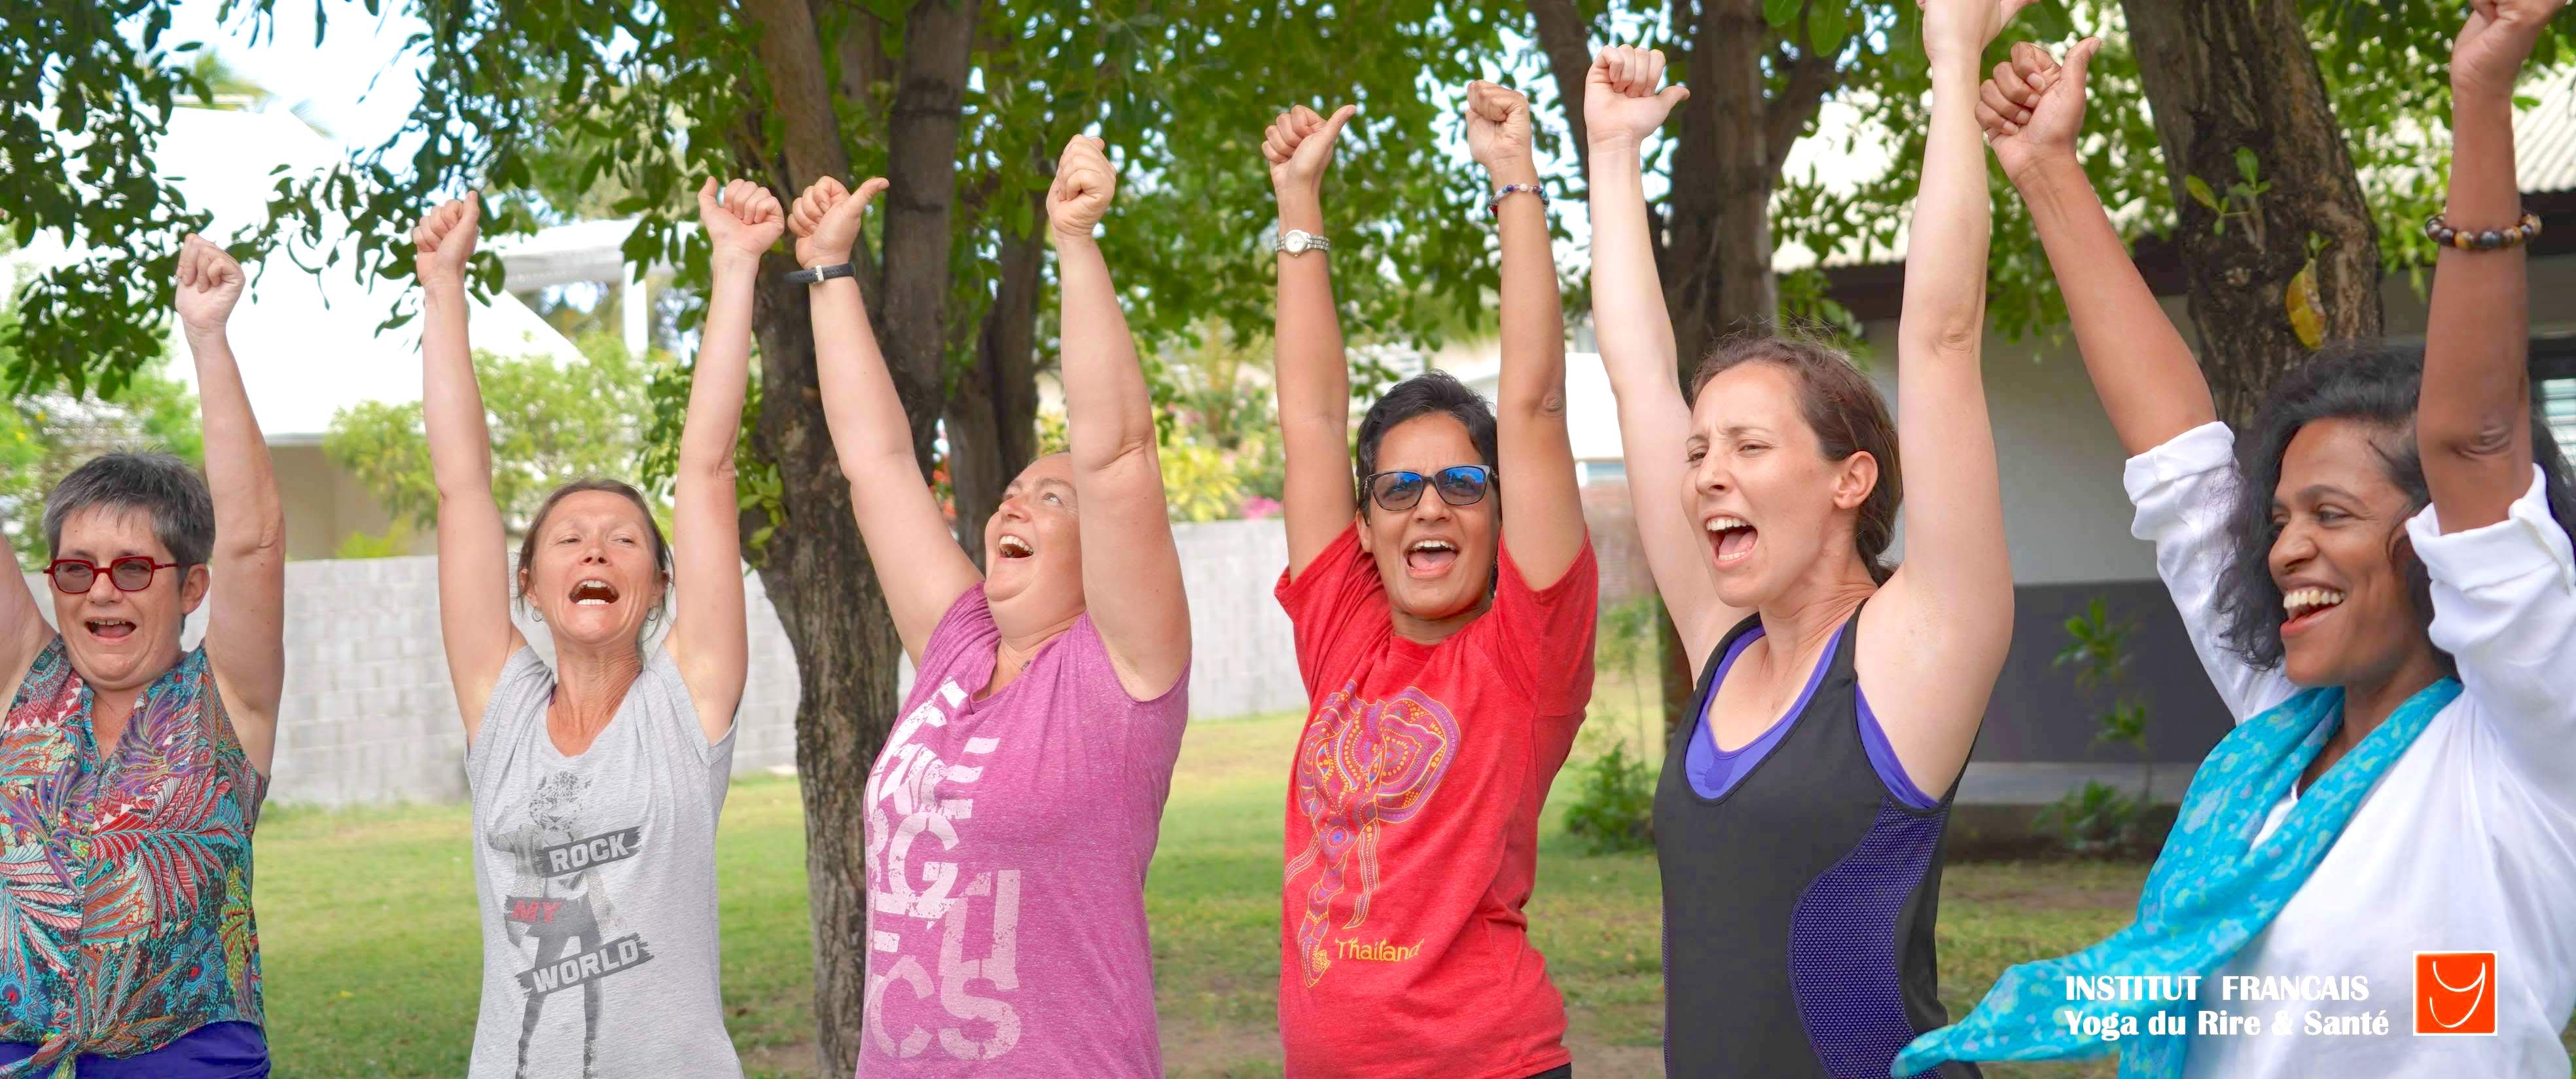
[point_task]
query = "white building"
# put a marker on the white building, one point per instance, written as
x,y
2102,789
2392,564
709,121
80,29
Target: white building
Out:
x,y
309,344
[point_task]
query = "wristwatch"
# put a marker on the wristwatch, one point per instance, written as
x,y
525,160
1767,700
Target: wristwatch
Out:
x,y
820,274
1299,241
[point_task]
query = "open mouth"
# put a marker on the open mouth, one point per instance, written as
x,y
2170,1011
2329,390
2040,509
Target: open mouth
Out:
x,y
1429,557
1012,546
110,629
1731,539
2302,607
593,593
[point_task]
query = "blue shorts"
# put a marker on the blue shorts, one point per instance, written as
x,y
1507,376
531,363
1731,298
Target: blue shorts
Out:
x,y
212,1051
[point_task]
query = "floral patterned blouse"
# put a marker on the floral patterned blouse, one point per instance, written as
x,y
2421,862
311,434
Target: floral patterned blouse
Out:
x,y
125,912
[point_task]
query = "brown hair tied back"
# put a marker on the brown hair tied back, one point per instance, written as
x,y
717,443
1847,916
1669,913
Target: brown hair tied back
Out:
x,y
537,524
1846,412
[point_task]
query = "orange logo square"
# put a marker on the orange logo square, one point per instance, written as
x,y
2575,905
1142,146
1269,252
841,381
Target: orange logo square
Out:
x,y
2455,993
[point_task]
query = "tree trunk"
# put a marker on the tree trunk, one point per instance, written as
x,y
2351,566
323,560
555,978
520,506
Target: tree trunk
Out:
x,y
2226,76
816,568
992,419
816,572
1713,235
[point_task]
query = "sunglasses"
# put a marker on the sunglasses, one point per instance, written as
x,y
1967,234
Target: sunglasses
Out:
x,y
1460,485
132,573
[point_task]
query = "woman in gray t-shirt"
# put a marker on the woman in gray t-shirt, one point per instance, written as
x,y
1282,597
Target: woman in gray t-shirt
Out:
x,y
597,782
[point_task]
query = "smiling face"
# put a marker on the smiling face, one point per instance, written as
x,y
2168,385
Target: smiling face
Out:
x,y
2346,616
592,572
1760,487
1436,560
1033,549
121,641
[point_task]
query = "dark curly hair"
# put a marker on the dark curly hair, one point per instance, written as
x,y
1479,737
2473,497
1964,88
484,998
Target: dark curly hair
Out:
x,y
1423,394
1844,409
2374,386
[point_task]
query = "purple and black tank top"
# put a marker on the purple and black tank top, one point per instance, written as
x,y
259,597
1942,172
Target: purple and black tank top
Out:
x,y
1801,881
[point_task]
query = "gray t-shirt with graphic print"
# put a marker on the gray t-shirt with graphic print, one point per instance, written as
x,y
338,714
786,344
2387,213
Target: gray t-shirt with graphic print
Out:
x,y
597,879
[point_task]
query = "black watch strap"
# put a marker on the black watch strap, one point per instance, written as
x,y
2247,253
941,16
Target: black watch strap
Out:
x,y
820,274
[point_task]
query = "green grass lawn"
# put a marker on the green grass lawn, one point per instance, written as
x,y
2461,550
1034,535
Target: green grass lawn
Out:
x,y
372,958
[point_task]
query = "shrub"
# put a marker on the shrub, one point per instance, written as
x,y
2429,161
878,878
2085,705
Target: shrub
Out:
x,y
1615,811
2093,819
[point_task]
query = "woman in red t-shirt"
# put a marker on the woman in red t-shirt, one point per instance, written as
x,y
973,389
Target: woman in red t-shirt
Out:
x,y
1447,664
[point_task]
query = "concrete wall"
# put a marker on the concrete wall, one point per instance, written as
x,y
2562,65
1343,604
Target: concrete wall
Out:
x,y
369,715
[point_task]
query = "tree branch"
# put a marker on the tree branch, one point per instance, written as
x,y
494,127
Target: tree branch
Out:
x,y
793,55
921,163
1567,39
1811,77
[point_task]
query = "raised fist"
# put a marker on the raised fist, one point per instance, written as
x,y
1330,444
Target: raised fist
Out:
x,y
1498,128
1620,103
2033,107
1084,184
210,282
1299,144
2497,40
826,220
741,224
1961,29
444,240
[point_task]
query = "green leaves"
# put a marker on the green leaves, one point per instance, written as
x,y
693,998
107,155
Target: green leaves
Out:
x,y
2201,193
1827,24
85,101
550,423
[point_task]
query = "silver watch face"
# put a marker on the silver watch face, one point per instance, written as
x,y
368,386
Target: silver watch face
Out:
x,y
1295,242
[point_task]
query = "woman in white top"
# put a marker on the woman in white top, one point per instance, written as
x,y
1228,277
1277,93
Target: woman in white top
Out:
x,y
2376,549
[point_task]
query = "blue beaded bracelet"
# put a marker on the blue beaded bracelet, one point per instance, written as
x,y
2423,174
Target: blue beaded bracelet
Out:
x,y
1493,206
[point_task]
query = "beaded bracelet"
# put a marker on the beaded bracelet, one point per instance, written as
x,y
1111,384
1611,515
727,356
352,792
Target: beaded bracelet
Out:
x,y
2439,230
1494,205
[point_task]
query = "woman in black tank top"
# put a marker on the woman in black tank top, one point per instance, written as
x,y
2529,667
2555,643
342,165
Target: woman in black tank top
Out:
x,y
1801,857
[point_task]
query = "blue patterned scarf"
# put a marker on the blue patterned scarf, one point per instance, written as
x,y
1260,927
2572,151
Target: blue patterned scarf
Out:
x,y
2211,889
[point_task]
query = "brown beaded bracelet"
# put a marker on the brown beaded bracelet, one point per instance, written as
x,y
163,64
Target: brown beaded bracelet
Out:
x,y
2440,231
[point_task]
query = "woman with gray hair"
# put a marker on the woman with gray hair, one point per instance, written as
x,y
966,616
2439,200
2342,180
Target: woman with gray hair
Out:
x,y
597,779
131,770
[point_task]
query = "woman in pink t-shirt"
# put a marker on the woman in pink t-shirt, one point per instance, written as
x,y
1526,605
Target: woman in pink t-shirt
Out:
x,y
1023,783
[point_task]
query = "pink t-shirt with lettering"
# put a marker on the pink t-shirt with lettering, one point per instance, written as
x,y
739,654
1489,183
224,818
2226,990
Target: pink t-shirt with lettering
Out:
x,y
1007,844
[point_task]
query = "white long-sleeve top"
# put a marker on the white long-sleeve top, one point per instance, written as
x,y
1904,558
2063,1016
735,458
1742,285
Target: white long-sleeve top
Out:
x,y
2468,843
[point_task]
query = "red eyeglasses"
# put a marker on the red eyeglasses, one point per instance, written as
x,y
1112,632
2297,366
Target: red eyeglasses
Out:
x,y
132,573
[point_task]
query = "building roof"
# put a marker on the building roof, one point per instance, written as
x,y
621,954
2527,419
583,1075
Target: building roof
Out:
x,y
2544,137
583,251
308,343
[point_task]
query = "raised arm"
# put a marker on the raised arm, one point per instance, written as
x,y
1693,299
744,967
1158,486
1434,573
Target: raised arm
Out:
x,y
2474,417
710,635
1131,572
473,556
1313,374
246,617
1948,610
2032,112
1543,514
918,563
23,631
1621,108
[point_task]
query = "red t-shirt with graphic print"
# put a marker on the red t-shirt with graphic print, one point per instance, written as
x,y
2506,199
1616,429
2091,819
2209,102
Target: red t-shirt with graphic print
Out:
x,y
1413,825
